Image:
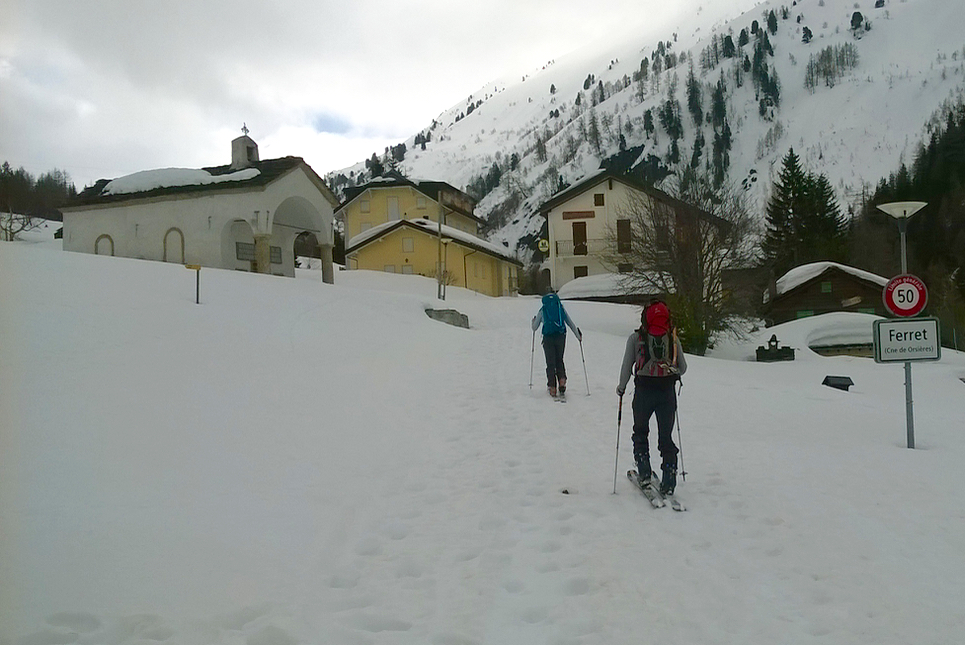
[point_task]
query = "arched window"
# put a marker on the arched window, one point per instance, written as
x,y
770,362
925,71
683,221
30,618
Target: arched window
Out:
x,y
174,246
104,245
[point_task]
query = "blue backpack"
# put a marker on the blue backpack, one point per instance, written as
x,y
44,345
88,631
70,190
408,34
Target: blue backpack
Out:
x,y
553,315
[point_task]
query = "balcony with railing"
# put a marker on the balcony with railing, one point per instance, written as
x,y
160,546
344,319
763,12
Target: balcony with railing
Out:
x,y
567,248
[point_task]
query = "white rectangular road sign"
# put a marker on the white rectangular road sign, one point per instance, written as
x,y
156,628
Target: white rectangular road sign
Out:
x,y
907,339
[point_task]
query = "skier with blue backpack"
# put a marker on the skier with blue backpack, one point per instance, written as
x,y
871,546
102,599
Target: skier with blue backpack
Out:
x,y
555,320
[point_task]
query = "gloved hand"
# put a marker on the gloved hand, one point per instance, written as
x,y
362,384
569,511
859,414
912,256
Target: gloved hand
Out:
x,y
620,391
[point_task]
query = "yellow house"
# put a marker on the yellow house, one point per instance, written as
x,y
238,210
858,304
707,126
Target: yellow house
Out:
x,y
424,228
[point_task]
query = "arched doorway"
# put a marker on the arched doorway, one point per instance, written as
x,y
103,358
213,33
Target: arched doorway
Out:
x,y
307,252
300,226
237,246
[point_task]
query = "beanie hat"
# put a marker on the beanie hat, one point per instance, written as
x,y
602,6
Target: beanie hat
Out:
x,y
658,319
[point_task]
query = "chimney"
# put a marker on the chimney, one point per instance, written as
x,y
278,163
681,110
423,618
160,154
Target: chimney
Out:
x,y
244,152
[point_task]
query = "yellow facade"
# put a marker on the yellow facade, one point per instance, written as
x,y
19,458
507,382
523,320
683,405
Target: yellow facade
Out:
x,y
380,205
414,250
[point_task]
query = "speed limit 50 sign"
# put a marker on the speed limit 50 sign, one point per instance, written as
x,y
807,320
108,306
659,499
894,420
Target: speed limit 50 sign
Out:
x,y
905,295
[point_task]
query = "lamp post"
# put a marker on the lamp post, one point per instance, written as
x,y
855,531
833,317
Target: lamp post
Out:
x,y
901,211
445,264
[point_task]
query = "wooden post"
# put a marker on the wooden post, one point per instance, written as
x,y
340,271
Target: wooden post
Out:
x,y
197,283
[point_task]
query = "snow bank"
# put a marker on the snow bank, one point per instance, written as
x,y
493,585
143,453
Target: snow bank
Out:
x,y
297,462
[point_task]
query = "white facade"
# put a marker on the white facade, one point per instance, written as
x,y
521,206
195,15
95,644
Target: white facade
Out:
x,y
582,227
231,225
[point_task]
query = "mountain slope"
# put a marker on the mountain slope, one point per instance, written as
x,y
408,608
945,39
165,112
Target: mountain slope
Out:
x,y
910,62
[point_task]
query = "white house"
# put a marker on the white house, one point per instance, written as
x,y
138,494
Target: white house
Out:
x,y
589,225
244,216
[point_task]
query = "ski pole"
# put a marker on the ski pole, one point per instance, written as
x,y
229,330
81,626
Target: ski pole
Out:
x,y
584,368
616,461
532,353
680,445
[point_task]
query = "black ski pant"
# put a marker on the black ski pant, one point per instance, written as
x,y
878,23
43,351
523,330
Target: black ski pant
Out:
x,y
553,346
648,400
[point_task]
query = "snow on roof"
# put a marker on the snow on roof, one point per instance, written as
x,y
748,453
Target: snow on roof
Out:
x,y
433,228
604,285
146,180
799,275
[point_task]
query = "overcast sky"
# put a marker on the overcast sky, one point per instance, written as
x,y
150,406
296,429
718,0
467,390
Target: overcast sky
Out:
x,y
104,88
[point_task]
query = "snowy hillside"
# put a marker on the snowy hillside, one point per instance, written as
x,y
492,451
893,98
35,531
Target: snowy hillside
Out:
x,y
910,61
293,462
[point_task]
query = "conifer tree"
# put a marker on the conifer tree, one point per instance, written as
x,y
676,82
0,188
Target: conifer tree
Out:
x,y
804,221
788,201
694,99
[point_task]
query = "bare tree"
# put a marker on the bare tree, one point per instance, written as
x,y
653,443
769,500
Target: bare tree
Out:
x,y
679,243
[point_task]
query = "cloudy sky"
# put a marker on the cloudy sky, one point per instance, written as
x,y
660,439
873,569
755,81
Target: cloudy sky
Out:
x,y
103,88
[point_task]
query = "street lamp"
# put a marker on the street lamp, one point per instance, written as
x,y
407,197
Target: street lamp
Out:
x,y
445,264
902,211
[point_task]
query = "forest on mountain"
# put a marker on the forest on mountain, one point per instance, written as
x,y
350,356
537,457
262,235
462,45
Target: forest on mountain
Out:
x,y
936,234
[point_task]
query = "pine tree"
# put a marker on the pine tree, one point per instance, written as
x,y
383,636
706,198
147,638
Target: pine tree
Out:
x,y
694,99
825,224
804,221
788,201
698,150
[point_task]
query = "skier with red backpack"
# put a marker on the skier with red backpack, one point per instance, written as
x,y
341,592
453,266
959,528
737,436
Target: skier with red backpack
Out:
x,y
555,320
656,360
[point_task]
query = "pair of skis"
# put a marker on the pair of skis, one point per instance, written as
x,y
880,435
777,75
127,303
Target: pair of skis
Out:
x,y
651,491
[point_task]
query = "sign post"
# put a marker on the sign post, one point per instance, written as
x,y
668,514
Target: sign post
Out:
x,y
907,340
906,295
197,284
901,211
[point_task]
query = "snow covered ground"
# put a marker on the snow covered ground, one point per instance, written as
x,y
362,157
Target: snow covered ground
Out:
x,y
293,462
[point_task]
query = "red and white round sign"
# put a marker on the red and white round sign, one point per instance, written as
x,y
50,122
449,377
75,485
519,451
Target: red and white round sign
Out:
x,y
905,295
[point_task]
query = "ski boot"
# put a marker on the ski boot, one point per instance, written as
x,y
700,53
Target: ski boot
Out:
x,y
669,481
643,470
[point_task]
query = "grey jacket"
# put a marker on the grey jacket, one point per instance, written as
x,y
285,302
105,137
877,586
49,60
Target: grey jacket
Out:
x,y
630,359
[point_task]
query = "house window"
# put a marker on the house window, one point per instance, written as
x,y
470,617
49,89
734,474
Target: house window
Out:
x,y
408,244
598,199
389,268
804,313
826,286
393,204
623,236
625,268
407,269
420,203
364,206
580,272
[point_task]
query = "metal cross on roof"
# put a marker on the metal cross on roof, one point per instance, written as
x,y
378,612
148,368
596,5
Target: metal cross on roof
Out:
x,y
244,128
